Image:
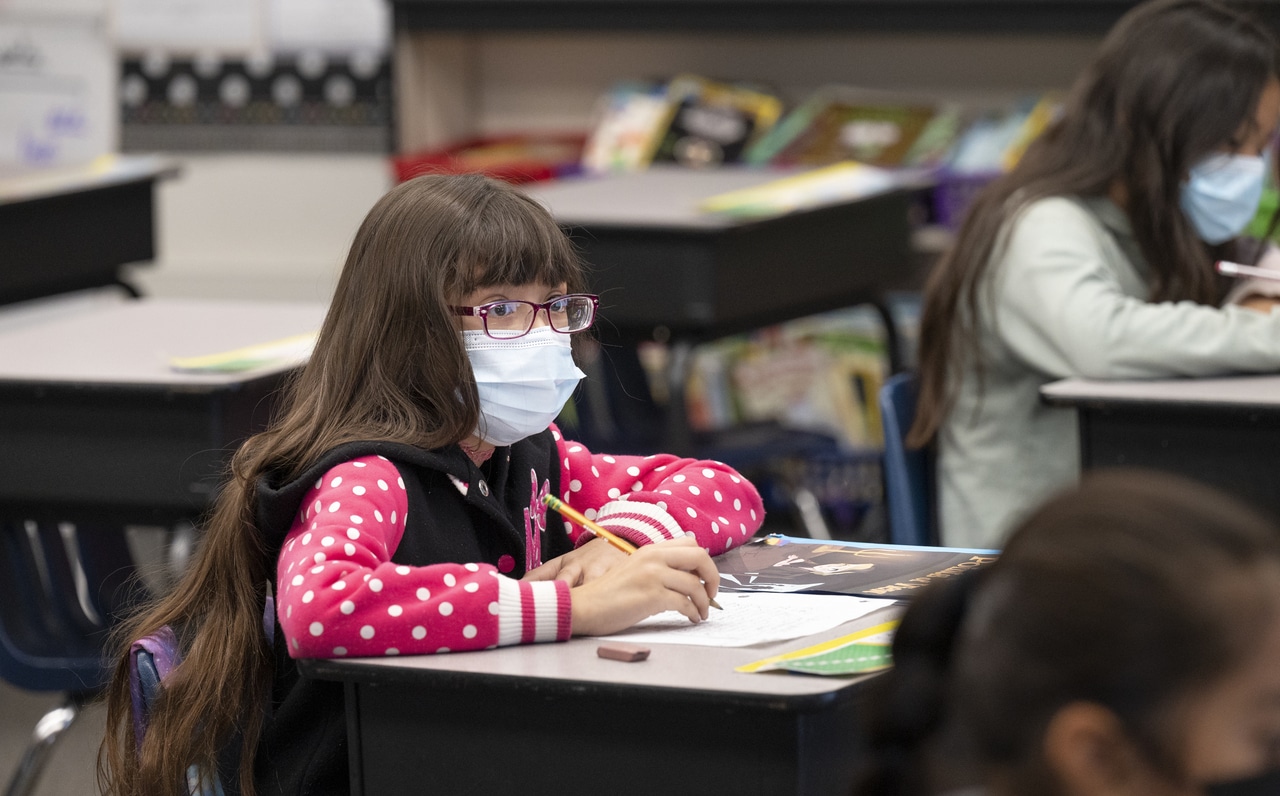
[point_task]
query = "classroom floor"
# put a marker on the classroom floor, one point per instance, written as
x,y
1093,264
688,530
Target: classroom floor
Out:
x,y
70,769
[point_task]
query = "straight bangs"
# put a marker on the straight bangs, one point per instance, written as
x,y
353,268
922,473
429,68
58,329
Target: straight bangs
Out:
x,y
515,241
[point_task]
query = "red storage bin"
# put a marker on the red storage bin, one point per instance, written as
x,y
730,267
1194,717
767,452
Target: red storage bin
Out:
x,y
514,158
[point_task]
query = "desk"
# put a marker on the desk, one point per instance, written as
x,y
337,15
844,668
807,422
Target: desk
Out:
x,y
554,718
72,228
95,426
1222,431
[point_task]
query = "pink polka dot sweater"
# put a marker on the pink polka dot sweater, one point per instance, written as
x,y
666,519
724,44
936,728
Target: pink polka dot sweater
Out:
x,y
377,561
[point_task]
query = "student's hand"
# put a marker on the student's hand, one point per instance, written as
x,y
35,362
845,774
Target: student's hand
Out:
x,y
580,566
1259,303
676,575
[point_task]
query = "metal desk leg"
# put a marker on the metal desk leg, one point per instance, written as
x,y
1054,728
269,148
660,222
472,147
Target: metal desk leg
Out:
x,y
47,732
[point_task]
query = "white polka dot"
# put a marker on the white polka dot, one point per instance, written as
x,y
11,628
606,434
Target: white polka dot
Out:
x,y
366,632
664,491
494,608
419,632
723,521
394,610
575,485
306,538
314,525
319,482
393,518
339,650
469,631
403,570
358,490
691,512
575,449
327,541
566,462
568,527
400,483
297,580
637,486
446,608
339,585
384,458
614,492
353,534
472,587
317,507
450,580
424,594
708,472
737,505
288,612
375,585
317,570
359,464
316,628
555,435
633,470
693,490
382,485
594,471
728,542
609,459
753,514
349,549
308,596
347,607
719,497
336,482
660,467
589,514
735,479
679,479
441,650
662,504
357,519
377,515
742,527
715,528
295,643
334,506
471,567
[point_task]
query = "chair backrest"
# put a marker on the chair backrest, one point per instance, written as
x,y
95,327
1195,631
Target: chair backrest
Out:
x,y
50,635
908,474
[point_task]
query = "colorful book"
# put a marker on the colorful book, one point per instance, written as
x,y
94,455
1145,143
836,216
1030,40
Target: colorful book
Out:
x,y
842,182
863,652
780,563
710,123
293,350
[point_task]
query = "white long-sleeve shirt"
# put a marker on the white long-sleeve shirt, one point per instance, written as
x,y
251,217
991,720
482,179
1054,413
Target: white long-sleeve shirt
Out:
x,y
1067,295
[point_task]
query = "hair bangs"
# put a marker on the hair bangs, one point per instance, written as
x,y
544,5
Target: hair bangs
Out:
x,y
517,242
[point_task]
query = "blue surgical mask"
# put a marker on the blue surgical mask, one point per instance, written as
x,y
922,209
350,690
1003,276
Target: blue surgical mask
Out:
x,y
523,382
1221,195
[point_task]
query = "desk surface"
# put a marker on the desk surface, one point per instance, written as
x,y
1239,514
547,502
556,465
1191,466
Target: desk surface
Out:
x,y
659,197
102,338
1234,391
22,185
574,664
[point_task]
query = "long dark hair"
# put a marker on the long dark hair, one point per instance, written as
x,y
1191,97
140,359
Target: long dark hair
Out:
x,y
1173,81
388,364
1094,599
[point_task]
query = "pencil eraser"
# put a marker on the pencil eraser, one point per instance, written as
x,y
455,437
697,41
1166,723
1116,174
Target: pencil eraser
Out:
x,y
622,652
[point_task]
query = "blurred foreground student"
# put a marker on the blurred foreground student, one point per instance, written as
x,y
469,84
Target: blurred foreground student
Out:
x,y
1126,642
1095,258
396,502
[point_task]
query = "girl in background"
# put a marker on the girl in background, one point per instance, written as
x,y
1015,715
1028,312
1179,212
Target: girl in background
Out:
x,y
1124,643
1094,258
395,505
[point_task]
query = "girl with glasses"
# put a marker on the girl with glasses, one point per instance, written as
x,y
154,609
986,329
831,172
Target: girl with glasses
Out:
x,y
395,506
1095,256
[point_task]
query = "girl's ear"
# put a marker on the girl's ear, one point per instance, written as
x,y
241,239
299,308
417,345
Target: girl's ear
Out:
x,y
1090,754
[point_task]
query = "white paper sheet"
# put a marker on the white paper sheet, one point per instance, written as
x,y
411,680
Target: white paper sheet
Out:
x,y
753,618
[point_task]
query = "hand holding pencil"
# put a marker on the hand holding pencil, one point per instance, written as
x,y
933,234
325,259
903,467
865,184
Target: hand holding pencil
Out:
x,y
675,575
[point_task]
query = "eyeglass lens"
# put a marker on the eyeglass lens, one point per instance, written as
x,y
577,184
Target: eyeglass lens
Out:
x,y
567,314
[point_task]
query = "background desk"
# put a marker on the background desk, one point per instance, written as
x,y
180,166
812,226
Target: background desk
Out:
x,y
554,718
73,228
94,424
1224,431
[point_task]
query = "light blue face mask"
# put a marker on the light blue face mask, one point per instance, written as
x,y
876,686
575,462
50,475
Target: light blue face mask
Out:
x,y
1221,194
523,383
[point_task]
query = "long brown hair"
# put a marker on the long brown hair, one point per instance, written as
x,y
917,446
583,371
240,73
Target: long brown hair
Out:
x,y
1132,591
388,364
1173,81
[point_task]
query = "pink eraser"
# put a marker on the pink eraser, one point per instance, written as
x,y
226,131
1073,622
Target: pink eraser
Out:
x,y
618,651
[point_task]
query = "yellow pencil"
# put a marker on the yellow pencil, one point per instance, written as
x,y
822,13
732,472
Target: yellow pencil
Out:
x,y
612,538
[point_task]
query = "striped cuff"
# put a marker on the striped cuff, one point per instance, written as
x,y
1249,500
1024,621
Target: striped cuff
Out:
x,y
637,522
532,611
